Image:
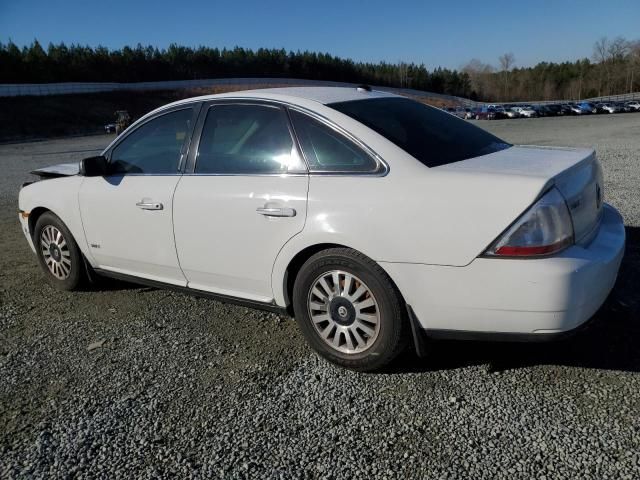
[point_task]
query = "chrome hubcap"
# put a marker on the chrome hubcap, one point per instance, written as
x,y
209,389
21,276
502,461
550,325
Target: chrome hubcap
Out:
x,y
55,252
344,311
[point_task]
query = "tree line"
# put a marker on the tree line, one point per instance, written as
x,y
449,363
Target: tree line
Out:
x,y
613,68
78,63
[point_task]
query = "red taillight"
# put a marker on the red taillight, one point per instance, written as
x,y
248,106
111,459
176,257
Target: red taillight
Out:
x,y
543,229
511,251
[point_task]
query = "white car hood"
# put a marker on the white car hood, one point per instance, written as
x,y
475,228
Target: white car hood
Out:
x,y
60,170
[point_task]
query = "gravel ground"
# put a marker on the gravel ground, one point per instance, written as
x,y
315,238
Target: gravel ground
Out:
x,y
123,381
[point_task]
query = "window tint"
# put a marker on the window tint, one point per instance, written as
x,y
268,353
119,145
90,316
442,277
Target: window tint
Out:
x,y
247,139
327,150
430,135
155,146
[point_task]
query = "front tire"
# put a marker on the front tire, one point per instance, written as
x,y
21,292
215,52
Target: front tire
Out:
x,y
58,253
349,310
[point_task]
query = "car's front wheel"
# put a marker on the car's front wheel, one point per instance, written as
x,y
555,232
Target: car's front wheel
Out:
x,y
349,310
58,254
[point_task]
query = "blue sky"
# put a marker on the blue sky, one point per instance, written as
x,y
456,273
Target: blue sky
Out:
x,y
442,33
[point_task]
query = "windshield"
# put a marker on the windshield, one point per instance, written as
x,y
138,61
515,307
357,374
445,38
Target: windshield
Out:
x,y
431,136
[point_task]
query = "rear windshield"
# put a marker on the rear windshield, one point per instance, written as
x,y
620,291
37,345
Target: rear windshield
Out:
x,y
430,135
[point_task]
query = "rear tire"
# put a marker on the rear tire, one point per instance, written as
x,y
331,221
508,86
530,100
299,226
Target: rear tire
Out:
x,y
58,253
349,310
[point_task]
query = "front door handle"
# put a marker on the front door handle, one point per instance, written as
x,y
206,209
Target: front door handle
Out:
x,y
146,205
276,212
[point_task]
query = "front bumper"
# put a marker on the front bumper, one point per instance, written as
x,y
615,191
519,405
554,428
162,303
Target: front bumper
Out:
x,y
542,296
23,217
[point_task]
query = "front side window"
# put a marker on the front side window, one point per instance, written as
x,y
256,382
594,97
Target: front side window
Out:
x,y
247,139
430,135
154,147
326,150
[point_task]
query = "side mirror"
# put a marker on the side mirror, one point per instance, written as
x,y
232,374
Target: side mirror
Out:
x,y
94,166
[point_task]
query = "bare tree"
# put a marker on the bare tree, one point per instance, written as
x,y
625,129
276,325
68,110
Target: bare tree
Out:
x,y
618,55
506,64
479,75
601,56
618,48
634,62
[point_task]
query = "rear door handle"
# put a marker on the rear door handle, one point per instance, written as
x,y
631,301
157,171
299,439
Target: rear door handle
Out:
x,y
276,212
149,205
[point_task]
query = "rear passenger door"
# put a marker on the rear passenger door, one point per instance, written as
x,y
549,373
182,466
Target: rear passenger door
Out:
x,y
243,196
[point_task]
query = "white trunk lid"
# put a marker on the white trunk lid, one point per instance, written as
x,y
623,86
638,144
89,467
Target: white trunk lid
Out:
x,y
574,171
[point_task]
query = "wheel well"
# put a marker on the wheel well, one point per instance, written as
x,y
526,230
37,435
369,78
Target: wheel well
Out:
x,y
33,218
34,215
296,264
301,257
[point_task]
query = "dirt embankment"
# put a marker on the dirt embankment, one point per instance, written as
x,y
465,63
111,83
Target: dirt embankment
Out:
x,y
24,118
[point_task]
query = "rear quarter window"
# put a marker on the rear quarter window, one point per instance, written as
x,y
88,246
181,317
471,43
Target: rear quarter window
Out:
x,y
430,135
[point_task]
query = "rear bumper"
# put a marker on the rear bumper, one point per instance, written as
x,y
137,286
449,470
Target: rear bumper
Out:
x,y
513,298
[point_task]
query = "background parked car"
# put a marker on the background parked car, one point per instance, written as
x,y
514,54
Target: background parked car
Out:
x,y
607,108
460,112
542,111
526,111
110,128
587,108
511,113
622,106
555,109
634,105
575,109
487,113
566,109
501,112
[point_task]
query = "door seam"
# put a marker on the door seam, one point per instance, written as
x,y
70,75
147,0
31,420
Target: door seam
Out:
x,y
173,229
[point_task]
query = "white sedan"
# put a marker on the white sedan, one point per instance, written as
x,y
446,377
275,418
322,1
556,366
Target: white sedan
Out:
x,y
373,219
525,111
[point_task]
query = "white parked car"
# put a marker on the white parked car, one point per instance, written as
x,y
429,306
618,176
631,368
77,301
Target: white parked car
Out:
x,y
374,219
511,113
608,108
575,109
525,111
634,105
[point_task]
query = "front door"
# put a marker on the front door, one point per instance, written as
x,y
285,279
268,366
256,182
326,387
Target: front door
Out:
x,y
245,198
128,215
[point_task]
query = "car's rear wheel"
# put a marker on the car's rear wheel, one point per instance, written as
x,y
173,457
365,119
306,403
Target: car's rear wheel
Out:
x,y
58,253
349,310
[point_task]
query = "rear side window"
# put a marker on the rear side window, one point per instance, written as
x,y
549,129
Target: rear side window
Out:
x,y
154,147
430,135
326,150
247,139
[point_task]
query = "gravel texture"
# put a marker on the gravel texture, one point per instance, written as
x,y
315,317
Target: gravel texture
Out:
x,y
122,381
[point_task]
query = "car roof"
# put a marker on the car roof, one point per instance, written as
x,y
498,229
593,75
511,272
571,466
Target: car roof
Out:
x,y
323,95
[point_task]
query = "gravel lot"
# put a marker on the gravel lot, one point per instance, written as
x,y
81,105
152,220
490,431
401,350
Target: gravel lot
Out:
x,y
122,381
